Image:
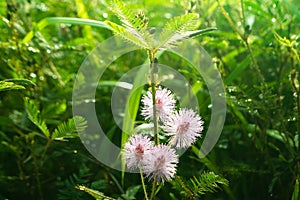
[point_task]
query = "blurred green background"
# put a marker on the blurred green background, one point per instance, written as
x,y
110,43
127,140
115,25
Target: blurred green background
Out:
x,y
256,49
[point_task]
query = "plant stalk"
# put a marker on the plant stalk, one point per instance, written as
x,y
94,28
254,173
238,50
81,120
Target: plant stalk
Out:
x,y
244,38
143,183
37,178
153,189
46,148
153,66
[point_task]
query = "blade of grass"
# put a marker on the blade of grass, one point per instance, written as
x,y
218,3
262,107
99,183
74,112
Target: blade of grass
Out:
x,y
239,69
62,20
131,109
296,190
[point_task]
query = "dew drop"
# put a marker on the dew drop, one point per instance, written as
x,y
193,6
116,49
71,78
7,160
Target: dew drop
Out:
x,y
105,15
32,75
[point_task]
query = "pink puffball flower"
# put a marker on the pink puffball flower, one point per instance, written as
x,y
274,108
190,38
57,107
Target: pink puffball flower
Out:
x,y
161,163
184,127
136,148
165,104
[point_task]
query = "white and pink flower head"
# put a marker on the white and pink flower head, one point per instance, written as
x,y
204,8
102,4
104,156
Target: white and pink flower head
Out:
x,y
184,127
164,102
136,149
161,163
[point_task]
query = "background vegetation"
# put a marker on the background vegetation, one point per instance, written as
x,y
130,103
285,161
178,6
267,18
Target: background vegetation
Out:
x,y
256,49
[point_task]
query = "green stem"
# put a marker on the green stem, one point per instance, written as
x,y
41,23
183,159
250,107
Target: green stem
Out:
x,y
228,18
184,186
243,13
37,178
153,189
153,63
298,117
158,188
155,120
296,54
143,183
254,61
46,148
244,38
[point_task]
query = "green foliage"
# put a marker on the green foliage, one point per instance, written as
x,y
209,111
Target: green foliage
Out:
x,y
69,191
69,188
176,29
296,193
255,48
134,28
131,192
63,130
15,84
61,20
70,128
129,20
197,186
3,7
10,86
132,36
34,115
207,182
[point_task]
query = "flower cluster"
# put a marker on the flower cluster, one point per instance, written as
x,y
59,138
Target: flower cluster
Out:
x,y
158,162
183,127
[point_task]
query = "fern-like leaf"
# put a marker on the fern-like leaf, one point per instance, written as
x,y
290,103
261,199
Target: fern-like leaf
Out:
x,y
15,84
177,29
34,115
207,182
133,28
23,82
70,128
138,22
10,86
197,186
130,35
